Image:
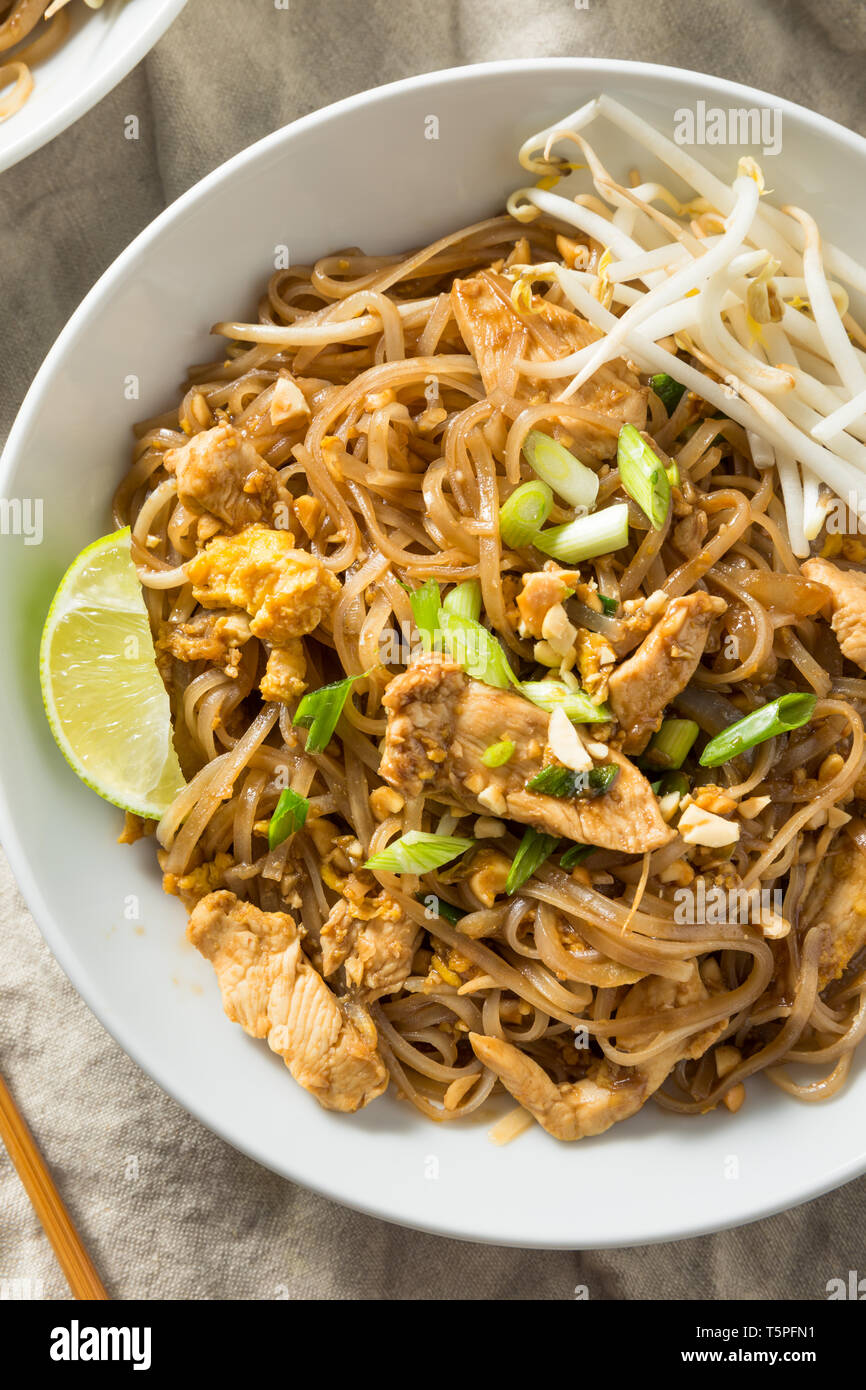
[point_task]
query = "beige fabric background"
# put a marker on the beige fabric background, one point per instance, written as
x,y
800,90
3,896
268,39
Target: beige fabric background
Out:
x,y
199,1220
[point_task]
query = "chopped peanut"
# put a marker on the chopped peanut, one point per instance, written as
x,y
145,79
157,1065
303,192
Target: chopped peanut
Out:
x,y
726,1059
309,511
735,1097
715,800
385,802
489,875
830,767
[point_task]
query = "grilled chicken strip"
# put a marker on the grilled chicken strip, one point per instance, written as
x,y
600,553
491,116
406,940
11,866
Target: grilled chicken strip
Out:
x,y
664,663
271,989
847,605
608,1093
440,723
497,334
219,472
369,935
838,900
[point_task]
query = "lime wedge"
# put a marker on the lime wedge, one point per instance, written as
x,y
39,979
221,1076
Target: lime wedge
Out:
x,y
105,700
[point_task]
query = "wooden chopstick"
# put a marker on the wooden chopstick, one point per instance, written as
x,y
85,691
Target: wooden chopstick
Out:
x,y
47,1203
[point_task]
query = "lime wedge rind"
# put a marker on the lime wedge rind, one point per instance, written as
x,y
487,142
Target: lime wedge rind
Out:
x,y
104,698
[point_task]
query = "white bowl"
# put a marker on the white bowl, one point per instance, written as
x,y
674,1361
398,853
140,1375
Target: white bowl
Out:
x,y
102,47
359,173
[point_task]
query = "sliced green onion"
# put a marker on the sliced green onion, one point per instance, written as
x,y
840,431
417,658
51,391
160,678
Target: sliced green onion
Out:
x,y
476,649
778,717
673,782
426,603
671,745
673,474
575,856
498,754
464,600
417,852
568,477
320,710
562,782
441,908
289,815
643,476
551,695
669,392
610,605
586,536
532,851
523,514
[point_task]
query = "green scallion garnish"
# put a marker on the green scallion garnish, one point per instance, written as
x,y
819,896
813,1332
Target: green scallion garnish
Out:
x,y
289,815
417,852
557,467
669,392
476,649
532,851
673,782
426,602
320,710
779,716
464,600
575,856
609,605
586,536
551,695
523,514
671,745
643,476
562,782
498,754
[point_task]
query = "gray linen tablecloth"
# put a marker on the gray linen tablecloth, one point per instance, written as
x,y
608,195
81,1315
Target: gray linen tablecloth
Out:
x,y
201,1221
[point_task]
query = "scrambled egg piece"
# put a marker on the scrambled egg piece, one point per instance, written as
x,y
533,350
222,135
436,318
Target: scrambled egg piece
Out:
x,y
286,592
285,671
196,884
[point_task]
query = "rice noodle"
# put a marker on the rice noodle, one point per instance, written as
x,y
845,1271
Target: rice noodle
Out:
x,y
411,449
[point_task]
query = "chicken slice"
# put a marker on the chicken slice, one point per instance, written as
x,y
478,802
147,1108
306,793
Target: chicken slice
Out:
x,y
848,605
269,987
439,725
370,936
838,899
496,335
287,592
664,663
221,473
608,1093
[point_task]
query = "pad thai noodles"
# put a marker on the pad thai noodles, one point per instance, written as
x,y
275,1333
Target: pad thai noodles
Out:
x,y
509,599
25,42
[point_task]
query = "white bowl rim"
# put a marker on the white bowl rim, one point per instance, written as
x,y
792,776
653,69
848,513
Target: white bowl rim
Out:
x,y
76,106
15,849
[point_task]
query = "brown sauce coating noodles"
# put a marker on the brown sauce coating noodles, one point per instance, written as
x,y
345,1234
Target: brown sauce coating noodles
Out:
x,y
403,465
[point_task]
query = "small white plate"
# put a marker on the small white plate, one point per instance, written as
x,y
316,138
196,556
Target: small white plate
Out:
x,y
101,48
362,173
